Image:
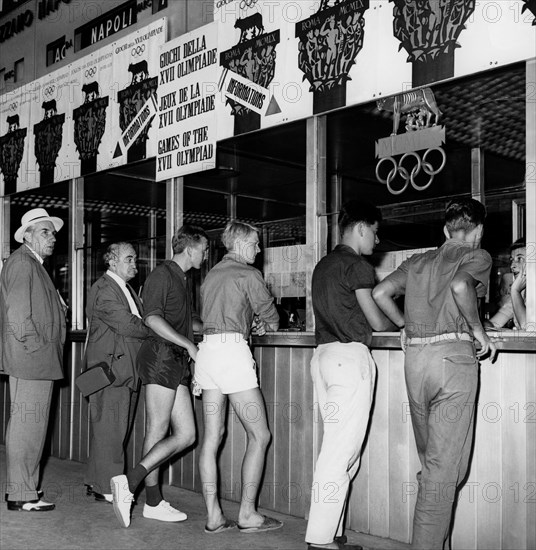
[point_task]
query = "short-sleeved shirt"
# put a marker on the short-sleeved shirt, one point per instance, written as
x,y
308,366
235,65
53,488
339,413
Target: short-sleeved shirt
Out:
x,y
430,308
232,293
338,316
166,294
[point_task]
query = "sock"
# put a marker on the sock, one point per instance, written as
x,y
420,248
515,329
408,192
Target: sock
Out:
x,y
135,477
153,494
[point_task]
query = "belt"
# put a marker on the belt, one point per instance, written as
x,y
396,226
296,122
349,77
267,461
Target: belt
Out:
x,y
441,338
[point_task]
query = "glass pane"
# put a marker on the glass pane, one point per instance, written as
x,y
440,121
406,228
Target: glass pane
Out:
x,y
122,206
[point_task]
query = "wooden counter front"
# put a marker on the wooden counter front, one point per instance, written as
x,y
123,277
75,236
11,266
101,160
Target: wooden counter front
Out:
x,y
497,505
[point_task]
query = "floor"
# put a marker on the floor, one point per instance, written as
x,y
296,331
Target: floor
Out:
x,y
79,522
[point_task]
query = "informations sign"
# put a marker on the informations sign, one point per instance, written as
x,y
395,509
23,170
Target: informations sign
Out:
x,y
187,104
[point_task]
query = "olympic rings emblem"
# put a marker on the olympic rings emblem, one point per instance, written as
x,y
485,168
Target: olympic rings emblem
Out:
x,y
408,176
136,52
247,4
49,90
13,106
90,72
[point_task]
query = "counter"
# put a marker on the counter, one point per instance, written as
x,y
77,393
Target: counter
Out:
x,y
497,505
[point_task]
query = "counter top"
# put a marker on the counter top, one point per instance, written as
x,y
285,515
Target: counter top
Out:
x,y
507,340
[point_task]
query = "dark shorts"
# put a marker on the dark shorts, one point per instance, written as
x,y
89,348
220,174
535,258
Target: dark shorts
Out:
x,y
163,364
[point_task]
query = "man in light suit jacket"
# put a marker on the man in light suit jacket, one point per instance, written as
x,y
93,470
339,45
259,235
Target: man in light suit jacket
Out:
x,y
116,332
32,324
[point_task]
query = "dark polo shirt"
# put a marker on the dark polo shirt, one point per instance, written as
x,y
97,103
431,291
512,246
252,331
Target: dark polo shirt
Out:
x,y
429,307
338,317
166,294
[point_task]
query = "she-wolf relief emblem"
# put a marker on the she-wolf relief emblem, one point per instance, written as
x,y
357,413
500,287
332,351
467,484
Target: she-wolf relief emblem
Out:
x,y
428,30
329,43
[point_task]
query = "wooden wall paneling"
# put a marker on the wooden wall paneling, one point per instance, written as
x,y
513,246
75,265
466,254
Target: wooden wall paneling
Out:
x,y
229,484
198,411
530,419
359,499
281,428
265,358
300,418
379,452
514,452
486,465
402,451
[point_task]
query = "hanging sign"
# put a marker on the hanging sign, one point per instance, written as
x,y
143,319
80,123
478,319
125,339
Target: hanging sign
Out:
x,y
188,98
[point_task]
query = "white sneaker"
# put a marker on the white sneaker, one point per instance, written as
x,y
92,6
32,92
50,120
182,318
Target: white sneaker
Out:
x,y
122,499
163,512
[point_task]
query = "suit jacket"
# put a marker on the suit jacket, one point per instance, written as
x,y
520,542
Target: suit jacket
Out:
x,y
32,321
114,330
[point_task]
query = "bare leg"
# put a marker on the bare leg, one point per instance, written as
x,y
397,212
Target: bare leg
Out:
x,y
250,409
164,406
214,409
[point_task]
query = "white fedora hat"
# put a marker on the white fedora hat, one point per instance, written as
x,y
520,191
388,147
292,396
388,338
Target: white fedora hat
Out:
x,y
33,216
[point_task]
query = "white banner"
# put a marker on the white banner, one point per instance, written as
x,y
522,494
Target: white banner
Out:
x,y
188,103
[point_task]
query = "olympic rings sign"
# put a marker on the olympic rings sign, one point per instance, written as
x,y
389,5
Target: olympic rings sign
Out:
x,y
90,72
409,176
137,51
49,90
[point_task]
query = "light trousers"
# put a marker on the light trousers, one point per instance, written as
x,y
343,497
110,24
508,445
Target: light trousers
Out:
x,y
25,435
343,376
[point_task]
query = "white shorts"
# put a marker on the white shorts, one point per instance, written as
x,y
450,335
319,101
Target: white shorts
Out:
x,y
224,362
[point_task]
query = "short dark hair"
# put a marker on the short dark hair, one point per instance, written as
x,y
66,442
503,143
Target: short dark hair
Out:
x,y
356,211
464,215
187,235
520,243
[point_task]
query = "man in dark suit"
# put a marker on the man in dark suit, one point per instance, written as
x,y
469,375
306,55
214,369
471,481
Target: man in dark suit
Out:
x,y
116,332
32,324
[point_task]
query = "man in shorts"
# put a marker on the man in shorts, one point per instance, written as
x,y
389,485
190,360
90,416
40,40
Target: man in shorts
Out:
x,y
441,322
342,368
163,365
232,296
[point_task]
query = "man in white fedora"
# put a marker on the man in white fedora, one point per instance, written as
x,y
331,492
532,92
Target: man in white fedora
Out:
x,y
32,323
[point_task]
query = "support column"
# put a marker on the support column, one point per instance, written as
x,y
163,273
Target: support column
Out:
x,y
336,201
530,184
5,203
315,219
477,175
174,210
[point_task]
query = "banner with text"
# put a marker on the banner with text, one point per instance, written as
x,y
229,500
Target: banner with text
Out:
x,y
187,104
91,115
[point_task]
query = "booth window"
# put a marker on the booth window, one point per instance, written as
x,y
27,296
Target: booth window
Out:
x,y
484,119
260,179
121,206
